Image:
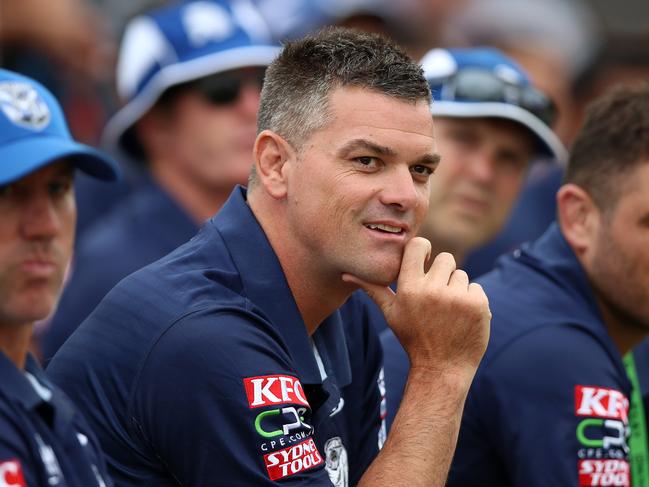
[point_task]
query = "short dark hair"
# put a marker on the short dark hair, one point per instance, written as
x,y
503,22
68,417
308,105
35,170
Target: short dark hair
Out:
x,y
295,97
613,140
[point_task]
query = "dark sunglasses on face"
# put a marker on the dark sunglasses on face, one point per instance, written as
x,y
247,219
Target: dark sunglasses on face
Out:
x,y
225,88
481,85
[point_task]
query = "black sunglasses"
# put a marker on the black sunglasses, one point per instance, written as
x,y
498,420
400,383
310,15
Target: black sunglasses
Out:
x,y
481,85
225,88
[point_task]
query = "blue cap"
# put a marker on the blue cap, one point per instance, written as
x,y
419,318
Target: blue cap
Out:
x,y
483,82
181,43
33,133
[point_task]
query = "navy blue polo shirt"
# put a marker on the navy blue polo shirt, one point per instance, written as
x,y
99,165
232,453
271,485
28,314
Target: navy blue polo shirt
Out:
x,y
144,227
549,403
198,370
44,441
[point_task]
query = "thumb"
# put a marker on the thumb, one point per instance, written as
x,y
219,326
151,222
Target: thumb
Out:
x,y
383,296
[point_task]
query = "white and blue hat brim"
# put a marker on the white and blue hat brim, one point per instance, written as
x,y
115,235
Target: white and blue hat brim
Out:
x,y
548,142
175,74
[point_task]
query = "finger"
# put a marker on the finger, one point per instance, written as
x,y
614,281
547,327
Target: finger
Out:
x,y
415,255
383,296
459,279
442,268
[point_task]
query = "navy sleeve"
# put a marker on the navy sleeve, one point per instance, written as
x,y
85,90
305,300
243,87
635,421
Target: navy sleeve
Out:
x,y
546,409
397,366
218,402
16,465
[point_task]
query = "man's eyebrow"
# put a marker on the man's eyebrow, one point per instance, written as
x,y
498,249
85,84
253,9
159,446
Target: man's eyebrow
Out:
x,y
429,159
363,144
367,145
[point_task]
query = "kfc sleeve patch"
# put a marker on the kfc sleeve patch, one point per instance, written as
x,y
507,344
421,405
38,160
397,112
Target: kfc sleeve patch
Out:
x,y
292,460
11,474
601,402
271,390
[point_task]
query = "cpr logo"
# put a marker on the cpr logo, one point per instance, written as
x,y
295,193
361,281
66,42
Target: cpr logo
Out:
x,y
11,474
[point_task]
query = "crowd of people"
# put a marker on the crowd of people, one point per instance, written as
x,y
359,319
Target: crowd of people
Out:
x,y
323,243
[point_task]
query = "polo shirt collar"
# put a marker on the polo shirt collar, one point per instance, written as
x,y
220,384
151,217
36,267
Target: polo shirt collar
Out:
x,y
265,285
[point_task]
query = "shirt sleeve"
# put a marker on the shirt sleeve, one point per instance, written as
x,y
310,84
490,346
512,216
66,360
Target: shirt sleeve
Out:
x,y
219,401
547,409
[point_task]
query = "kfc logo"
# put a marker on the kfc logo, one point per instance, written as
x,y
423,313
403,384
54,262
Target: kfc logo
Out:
x,y
11,474
271,390
292,460
601,403
604,473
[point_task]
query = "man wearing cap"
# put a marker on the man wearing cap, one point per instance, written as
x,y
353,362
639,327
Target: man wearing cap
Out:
x,y
490,123
191,98
44,441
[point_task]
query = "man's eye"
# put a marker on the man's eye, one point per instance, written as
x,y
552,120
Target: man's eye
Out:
x,y
6,190
423,170
367,160
59,188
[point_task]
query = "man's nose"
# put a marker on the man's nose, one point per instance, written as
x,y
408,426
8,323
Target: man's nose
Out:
x,y
40,219
481,167
399,189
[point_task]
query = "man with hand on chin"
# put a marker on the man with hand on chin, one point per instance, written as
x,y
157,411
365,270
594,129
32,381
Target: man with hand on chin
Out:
x,y
249,342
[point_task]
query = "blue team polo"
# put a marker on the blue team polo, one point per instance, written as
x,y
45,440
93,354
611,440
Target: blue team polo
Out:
x,y
44,441
550,402
198,370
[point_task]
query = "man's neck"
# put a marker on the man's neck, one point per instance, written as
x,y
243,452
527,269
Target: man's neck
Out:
x,y
199,201
624,330
14,342
316,293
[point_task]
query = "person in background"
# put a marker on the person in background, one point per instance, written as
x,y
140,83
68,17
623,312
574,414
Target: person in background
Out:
x,y
44,440
491,124
190,74
247,341
553,402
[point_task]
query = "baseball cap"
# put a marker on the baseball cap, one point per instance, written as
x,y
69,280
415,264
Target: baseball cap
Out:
x,y
181,43
483,82
33,133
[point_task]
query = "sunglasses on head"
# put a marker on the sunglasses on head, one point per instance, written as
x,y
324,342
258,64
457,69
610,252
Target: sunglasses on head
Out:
x,y
225,88
481,85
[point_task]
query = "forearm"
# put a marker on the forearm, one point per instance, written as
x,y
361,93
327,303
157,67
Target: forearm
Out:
x,y
424,434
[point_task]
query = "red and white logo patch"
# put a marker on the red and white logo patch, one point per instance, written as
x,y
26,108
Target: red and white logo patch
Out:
x,y
11,474
292,460
604,473
600,402
271,390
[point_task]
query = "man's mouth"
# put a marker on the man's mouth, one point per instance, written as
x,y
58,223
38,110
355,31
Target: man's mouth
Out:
x,y
382,227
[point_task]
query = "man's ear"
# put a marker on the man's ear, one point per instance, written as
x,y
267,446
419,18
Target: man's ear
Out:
x,y
579,217
272,153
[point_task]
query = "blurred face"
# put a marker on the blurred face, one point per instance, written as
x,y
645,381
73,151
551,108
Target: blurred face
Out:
x,y
359,188
36,237
212,128
619,262
484,162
